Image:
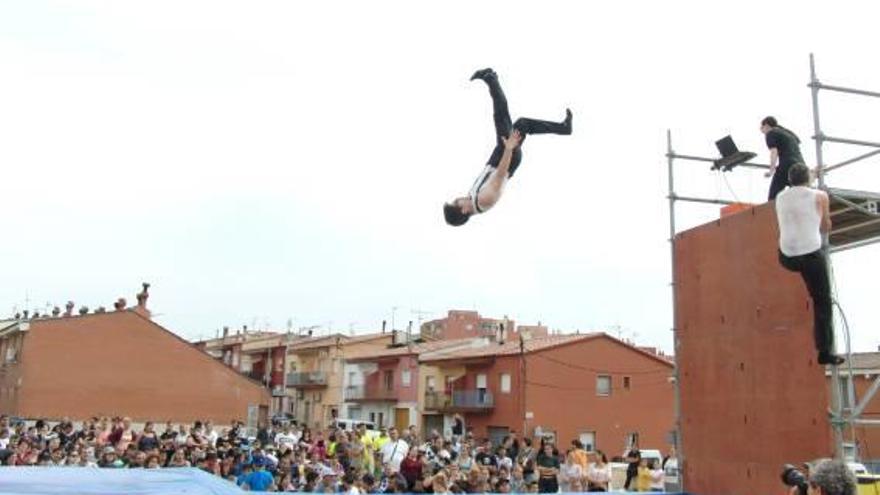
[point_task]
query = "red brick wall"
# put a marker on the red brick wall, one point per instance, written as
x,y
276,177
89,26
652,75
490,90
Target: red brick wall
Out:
x,y
752,396
121,363
561,395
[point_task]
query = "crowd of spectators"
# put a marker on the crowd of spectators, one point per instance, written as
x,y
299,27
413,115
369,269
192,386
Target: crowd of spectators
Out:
x,y
292,459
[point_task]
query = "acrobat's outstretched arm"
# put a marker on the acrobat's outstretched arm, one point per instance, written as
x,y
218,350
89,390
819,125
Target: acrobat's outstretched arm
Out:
x,y
500,175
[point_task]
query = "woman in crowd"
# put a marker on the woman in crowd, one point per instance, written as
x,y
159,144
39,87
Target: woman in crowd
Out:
x,y
599,474
656,475
547,465
570,473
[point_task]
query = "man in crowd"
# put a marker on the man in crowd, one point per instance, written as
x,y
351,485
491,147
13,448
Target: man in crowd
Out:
x,y
394,450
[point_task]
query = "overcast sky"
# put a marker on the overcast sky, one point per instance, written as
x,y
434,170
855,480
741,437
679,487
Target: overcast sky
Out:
x,y
260,162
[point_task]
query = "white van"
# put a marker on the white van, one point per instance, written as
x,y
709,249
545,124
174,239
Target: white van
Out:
x,y
350,425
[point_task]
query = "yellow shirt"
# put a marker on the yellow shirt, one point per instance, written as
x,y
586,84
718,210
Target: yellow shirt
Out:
x,y
380,441
643,482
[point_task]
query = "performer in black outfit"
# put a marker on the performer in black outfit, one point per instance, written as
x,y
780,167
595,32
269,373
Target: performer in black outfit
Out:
x,y
785,151
506,156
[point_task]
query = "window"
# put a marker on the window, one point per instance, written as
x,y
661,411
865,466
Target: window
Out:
x,y
626,382
352,376
481,380
406,378
430,383
372,417
588,438
505,383
603,385
388,379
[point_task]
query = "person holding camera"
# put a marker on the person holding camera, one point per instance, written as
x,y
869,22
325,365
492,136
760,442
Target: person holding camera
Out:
x,y
825,477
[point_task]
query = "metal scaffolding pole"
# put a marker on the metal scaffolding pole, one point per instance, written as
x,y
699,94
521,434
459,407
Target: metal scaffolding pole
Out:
x,y
840,417
679,452
836,393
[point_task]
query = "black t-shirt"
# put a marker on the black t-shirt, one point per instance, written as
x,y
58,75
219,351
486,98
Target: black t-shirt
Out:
x,y
458,427
547,461
786,144
485,459
633,467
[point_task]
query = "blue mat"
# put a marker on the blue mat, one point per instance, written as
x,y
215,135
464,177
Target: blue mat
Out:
x,y
94,481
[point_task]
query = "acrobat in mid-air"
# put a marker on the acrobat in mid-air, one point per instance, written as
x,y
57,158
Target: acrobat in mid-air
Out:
x,y
506,156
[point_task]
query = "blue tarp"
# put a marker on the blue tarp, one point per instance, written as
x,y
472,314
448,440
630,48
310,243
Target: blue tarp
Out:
x,y
94,481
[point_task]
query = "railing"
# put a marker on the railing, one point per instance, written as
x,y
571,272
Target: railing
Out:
x,y
461,399
473,399
437,400
356,393
307,379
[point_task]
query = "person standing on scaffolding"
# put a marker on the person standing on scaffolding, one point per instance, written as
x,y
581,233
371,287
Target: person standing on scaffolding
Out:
x,y
785,151
804,222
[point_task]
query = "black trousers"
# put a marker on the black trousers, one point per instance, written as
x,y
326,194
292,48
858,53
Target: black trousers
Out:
x,y
503,127
814,271
548,485
779,181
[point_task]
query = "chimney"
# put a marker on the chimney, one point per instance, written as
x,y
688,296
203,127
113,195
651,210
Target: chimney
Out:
x,y
225,332
384,323
56,311
142,297
36,315
244,329
120,304
18,316
83,310
101,309
25,314
68,308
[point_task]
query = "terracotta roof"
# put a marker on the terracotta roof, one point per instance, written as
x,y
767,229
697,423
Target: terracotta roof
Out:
x,y
512,347
330,340
415,349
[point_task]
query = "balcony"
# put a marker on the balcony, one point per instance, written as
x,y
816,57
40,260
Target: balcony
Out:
x,y
474,401
307,379
367,394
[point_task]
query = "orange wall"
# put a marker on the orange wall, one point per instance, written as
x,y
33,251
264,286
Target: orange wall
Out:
x,y
121,363
752,395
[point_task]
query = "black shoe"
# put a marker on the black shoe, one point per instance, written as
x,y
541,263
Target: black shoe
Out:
x,y
484,74
827,358
567,121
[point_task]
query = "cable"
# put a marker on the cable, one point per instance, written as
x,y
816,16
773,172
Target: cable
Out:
x,y
603,371
591,389
724,176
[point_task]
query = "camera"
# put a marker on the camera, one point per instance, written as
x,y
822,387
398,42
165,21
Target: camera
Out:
x,y
792,476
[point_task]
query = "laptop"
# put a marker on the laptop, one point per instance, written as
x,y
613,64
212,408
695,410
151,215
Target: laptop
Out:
x,y
730,155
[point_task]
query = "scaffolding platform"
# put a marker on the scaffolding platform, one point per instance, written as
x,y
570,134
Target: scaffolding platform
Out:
x,y
855,219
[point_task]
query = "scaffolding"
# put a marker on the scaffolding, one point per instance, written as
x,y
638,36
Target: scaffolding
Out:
x,y
856,223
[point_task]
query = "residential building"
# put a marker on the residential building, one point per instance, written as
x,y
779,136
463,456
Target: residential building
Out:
x,y
592,387
117,362
383,386
865,438
304,373
460,324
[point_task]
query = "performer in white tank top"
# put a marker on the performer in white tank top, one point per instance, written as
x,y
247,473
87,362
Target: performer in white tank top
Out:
x,y
798,210
804,218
